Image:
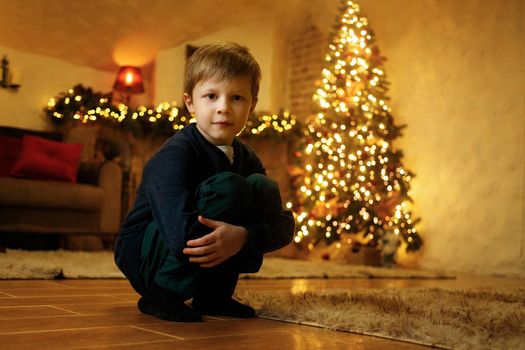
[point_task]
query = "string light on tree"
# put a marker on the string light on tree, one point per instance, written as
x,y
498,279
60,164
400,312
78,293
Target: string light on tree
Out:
x,y
351,177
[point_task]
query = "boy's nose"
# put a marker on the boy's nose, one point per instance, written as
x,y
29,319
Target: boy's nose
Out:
x,y
224,107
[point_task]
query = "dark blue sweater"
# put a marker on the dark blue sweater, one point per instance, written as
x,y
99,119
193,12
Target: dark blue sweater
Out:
x,y
167,194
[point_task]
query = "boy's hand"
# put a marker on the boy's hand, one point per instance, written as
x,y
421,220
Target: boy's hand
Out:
x,y
223,242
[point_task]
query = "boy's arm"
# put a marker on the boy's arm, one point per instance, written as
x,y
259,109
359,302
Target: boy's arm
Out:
x,y
222,243
227,240
169,188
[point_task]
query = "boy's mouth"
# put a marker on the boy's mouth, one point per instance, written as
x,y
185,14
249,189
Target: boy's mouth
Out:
x,y
223,123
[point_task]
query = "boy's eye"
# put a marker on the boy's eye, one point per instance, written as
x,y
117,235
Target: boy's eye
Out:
x,y
211,96
237,98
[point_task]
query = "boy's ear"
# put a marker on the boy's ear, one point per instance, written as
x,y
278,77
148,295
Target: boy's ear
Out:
x,y
254,103
188,102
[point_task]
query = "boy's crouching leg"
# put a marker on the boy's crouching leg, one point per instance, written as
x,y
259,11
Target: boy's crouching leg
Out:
x,y
244,262
214,296
166,305
224,197
165,280
266,196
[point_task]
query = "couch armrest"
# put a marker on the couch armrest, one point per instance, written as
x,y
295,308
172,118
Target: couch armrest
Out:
x,y
88,172
108,176
110,180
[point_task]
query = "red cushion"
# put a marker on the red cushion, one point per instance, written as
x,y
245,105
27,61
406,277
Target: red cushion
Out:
x,y
10,148
44,159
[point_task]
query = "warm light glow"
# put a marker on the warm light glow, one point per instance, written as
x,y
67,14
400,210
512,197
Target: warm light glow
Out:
x,y
129,78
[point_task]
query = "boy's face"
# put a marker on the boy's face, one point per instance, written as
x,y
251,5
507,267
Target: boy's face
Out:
x,y
221,108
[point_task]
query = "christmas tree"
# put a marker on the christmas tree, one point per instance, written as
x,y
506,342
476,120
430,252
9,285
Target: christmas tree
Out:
x,y
351,180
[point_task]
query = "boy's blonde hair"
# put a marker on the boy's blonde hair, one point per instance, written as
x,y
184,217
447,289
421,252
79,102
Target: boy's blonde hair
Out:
x,y
221,61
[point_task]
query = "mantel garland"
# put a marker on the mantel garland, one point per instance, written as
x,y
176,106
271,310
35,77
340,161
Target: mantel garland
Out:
x,y
84,105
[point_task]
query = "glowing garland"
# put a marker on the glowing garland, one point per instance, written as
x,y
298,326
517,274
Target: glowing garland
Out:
x,y
81,104
271,125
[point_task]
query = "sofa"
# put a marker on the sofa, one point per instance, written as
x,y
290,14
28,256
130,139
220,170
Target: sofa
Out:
x,y
79,202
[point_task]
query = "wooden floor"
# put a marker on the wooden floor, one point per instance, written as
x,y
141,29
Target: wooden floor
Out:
x,y
73,314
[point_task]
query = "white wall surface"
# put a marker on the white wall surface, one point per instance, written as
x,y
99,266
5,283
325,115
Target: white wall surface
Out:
x,y
42,78
265,43
458,81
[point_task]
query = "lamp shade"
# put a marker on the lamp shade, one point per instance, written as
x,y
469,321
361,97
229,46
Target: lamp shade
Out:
x,y
129,80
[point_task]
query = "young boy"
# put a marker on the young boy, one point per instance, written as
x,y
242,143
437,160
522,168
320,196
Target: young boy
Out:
x,y
205,211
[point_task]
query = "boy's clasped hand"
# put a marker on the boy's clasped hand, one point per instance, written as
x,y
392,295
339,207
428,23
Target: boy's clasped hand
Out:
x,y
223,242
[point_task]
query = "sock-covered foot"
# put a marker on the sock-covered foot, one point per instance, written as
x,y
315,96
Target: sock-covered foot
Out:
x,y
222,307
170,310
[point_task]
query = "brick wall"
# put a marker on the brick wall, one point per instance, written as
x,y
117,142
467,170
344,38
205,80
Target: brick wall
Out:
x,y
306,60
307,50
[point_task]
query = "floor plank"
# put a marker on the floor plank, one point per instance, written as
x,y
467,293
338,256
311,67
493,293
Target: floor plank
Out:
x,y
58,299
100,309
24,312
102,337
33,325
192,331
77,291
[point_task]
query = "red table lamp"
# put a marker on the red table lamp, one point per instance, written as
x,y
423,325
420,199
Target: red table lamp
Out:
x,y
129,81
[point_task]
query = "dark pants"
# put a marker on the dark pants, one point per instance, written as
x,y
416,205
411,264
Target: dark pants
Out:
x,y
226,197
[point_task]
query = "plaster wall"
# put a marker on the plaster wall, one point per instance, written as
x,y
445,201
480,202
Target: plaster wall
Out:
x,y
458,81
265,42
42,78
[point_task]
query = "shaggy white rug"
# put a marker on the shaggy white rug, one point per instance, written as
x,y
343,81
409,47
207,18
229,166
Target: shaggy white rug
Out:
x,y
288,268
57,264
457,319
21,264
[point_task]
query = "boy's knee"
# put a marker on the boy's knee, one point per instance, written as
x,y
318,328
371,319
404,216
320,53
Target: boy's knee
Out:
x,y
262,182
224,196
267,197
